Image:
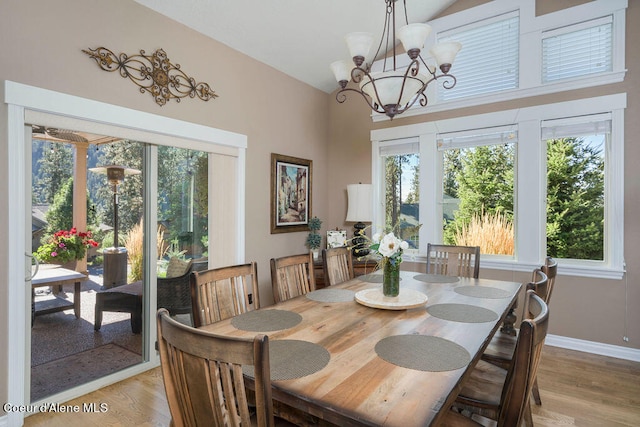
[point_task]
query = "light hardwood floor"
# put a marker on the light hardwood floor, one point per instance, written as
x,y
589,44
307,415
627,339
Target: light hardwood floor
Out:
x,y
577,389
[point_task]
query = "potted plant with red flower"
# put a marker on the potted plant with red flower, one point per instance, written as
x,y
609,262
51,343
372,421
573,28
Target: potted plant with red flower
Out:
x,y
65,246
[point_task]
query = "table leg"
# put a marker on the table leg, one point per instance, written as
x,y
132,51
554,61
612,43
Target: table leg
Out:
x,y
509,321
76,299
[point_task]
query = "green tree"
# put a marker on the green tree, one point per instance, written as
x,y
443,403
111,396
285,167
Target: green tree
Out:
x,y
60,214
52,170
484,180
414,194
575,200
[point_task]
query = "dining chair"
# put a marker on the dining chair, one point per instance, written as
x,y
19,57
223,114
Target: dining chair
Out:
x,y
502,346
224,292
338,265
503,395
452,260
203,377
292,276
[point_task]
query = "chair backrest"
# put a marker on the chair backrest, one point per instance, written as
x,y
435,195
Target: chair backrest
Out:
x,y
451,260
224,292
203,377
292,276
174,294
539,284
550,268
338,265
524,364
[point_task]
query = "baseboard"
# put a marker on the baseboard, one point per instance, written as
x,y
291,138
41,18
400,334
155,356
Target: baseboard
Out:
x,y
616,351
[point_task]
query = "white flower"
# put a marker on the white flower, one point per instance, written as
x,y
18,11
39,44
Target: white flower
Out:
x,y
376,238
389,245
404,245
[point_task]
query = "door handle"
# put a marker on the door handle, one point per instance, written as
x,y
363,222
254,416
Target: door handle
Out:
x,y
34,272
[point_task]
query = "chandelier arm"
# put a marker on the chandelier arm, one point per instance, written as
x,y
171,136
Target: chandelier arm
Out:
x,y
357,73
449,80
341,97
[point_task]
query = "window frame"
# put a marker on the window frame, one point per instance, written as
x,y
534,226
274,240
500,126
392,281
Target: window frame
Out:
x,y
532,29
530,211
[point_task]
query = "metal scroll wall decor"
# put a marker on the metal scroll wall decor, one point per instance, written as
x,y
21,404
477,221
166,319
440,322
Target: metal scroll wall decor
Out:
x,y
154,74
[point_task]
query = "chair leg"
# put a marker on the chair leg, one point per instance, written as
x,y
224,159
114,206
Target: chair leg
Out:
x,y
535,392
528,418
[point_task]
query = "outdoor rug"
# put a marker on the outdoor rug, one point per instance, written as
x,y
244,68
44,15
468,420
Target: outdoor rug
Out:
x,y
71,371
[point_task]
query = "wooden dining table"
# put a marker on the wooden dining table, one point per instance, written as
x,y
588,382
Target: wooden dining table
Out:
x,y
337,361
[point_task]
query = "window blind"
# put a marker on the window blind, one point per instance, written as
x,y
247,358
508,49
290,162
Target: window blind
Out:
x,y
576,126
576,51
399,147
477,137
488,60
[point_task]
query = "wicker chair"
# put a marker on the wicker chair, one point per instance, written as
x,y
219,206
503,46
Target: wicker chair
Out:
x,y
174,294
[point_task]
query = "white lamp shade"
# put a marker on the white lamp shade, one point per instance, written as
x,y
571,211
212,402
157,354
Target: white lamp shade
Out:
x,y
413,36
445,52
389,84
360,208
341,70
359,44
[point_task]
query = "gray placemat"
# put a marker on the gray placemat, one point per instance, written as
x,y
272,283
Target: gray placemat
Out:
x,y
482,292
436,278
462,313
266,320
423,353
331,295
291,359
371,278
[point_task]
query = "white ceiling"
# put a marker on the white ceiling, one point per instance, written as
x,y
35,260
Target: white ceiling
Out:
x,y
298,37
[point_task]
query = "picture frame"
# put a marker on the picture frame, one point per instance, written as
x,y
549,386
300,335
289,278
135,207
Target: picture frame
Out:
x,y
291,179
336,239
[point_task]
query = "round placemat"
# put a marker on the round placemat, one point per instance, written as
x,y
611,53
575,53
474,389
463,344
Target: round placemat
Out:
x,y
436,278
331,295
266,320
462,313
291,359
423,353
371,278
482,292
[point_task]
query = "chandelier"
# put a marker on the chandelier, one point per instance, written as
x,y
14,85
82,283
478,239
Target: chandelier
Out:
x,y
394,90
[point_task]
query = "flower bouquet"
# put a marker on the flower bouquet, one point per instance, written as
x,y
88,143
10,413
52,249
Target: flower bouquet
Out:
x,y
390,249
65,246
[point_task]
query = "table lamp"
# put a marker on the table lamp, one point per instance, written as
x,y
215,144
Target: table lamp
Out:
x,y
359,211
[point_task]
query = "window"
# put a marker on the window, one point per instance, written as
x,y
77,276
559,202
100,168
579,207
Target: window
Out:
x,y
576,186
478,189
401,164
488,61
523,183
508,52
582,50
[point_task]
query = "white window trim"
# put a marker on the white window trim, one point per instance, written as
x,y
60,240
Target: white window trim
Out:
x,y
22,101
530,69
530,162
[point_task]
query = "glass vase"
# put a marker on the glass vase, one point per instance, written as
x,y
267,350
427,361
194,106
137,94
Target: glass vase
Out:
x,y
391,279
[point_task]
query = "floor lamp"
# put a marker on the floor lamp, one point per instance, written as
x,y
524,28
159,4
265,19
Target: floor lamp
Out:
x,y
115,257
359,211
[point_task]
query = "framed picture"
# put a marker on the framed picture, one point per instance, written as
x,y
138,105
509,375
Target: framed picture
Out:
x,y
336,238
290,193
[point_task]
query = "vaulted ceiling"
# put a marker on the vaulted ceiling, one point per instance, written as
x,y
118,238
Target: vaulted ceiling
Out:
x,y
298,37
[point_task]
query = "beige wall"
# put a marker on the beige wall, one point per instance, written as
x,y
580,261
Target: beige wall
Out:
x,y
281,115
582,308
277,113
